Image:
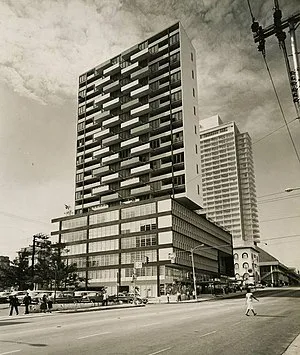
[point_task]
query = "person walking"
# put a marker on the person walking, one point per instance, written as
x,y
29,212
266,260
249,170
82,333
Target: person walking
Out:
x,y
14,303
50,303
44,303
168,297
27,302
104,299
249,301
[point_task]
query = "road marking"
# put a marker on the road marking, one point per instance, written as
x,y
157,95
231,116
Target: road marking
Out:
x,y
148,325
160,351
11,352
204,335
92,335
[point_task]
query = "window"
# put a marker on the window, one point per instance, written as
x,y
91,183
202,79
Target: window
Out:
x,y
194,110
193,75
176,96
179,180
82,78
116,60
244,255
192,57
174,39
196,148
175,77
177,116
194,92
80,126
198,189
174,58
236,266
195,129
178,158
143,45
197,168
246,266
236,256
79,177
81,110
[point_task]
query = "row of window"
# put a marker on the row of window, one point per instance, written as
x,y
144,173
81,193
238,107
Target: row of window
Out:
x,y
139,226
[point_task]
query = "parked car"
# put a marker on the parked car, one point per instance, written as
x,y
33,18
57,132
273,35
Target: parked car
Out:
x,y
259,286
66,297
126,298
20,295
4,297
94,297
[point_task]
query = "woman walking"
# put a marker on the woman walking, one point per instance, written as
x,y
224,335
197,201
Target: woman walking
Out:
x,y
249,301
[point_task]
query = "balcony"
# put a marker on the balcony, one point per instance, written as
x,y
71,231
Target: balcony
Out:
x,y
101,190
130,123
140,91
141,149
130,142
101,152
140,170
113,69
125,164
140,110
141,129
143,54
111,121
110,159
111,87
101,82
130,68
111,104
130,86
102,134
111,140
130,182
140,73
110,198
141,190
110,178
102,115
102,98
130,105
101,171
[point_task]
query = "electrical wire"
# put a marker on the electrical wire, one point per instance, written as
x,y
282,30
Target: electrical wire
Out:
x,y
278,199
277,129
281,109
277,219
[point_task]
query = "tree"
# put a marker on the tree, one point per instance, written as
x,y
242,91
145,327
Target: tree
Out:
x,y
18,273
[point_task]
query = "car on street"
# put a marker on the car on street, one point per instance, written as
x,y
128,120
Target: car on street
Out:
x,y
4,297
126,298
66,297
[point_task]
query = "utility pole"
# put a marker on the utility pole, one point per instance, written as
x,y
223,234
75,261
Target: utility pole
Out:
x,y
277,28
35,238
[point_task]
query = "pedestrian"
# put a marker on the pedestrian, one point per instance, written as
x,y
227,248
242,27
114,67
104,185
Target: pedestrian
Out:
x,y
104,299
194,294
249,301
14,303
50,303
44,304
27,302
188,294
168,297
178,296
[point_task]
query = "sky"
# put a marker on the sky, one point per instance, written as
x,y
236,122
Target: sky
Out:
x,y
45,46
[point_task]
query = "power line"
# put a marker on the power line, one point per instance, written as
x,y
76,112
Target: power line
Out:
x,y
277,219
280,107
24,218
272,194
278,199
282,237
269,134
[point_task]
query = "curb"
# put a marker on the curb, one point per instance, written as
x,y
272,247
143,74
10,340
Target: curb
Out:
x,y
294,347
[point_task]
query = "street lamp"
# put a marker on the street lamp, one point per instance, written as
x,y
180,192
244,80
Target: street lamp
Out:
x,y
193,266
290,189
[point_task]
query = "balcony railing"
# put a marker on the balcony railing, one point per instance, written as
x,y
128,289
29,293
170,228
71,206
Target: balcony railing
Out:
x,y
140,110
140,91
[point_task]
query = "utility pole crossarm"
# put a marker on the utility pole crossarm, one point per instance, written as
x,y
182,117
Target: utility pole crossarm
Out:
x,y
270,30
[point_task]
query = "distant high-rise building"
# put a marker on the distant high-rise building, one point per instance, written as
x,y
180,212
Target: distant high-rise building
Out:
x,y
228,185
138,178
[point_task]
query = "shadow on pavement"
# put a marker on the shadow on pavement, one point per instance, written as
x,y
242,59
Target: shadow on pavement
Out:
x,y
10,323
23,342
267,316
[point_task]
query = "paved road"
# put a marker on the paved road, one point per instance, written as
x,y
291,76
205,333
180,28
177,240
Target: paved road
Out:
x,y
217,327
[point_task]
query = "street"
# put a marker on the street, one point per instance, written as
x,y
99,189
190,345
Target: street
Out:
x,y
214,327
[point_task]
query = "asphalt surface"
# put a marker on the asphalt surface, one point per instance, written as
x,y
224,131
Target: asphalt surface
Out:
x,y
216,327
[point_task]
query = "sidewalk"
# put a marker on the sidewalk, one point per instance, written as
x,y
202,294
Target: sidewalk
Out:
x,y
294,348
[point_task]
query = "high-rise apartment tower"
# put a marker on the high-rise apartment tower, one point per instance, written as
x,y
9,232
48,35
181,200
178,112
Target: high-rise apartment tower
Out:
x,y
138,131
228,183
